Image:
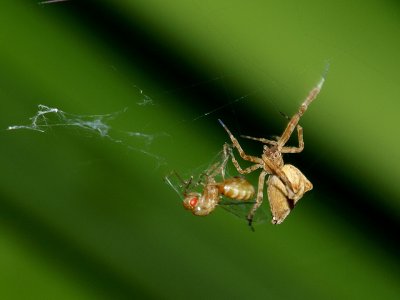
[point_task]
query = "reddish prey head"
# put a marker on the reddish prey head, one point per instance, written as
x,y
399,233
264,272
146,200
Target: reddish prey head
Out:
x,y
200,205
191,201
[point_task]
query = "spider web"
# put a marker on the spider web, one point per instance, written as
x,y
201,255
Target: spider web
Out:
x,y
52,1
47,118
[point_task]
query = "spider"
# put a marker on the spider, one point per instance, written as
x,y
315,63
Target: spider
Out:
x,y
202,204
286,184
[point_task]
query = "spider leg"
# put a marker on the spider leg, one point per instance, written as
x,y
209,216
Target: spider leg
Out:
x,y
262,140
247,170
301,143
259,198
258,161
302,109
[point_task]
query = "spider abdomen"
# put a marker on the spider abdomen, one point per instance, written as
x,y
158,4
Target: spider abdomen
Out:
x,y
280,202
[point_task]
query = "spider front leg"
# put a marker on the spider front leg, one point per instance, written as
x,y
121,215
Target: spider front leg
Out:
x,y
258,161
239,168
262,140
302,109
301,143
284,149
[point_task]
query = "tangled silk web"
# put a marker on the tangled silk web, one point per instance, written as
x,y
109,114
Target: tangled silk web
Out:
x,y
97,125
52,1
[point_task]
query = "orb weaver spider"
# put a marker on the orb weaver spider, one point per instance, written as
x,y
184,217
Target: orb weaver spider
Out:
x,y
286,184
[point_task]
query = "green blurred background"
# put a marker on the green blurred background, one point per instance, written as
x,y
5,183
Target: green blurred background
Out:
x,y
83,217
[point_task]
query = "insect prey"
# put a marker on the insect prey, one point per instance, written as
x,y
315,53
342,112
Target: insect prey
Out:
x,y
202,204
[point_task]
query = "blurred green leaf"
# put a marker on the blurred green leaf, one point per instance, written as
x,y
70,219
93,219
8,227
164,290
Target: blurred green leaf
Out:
x,y
84,216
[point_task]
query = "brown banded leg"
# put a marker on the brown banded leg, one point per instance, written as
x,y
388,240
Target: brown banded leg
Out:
x,y
259,198
258,161
262,140
301,143
247,170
